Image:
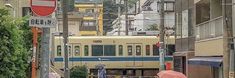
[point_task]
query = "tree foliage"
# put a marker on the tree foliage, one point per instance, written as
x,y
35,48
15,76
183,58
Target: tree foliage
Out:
x,y
14,46
79,72
153,27
110,13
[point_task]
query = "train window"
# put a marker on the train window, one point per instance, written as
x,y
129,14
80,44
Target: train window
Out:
x,y
69,50
97,50
77,50
138,50
129,49
59,50
170,49
120,49
147,50
86,50
155,50
109,50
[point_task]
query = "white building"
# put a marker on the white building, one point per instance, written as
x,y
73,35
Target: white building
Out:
x,y
146,14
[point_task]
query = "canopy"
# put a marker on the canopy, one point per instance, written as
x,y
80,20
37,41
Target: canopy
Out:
x,y
209,61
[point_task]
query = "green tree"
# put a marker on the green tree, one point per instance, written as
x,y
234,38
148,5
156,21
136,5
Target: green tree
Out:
x,y
110,13
153,27
13,50
79,72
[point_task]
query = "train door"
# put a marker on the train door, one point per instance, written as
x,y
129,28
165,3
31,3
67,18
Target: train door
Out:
x,y
138,55
134,54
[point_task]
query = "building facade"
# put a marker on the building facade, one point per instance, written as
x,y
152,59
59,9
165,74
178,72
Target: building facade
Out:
x,y
201,38
17,8
92,20
184,19
142,16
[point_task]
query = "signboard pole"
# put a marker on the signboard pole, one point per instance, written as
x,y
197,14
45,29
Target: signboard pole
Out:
x,y
42,8
35,37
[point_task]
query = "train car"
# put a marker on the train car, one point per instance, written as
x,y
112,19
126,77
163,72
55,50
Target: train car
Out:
x,y
121,55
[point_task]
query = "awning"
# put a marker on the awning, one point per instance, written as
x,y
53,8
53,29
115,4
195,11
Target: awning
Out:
x,y
209,61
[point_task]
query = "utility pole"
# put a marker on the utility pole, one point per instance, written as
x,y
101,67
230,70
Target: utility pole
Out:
x,y
119,19
44,68
65,36
232,54
96,18
228,41
126,17
162,33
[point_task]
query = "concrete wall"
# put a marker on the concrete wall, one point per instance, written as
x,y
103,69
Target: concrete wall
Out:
x,y
211,47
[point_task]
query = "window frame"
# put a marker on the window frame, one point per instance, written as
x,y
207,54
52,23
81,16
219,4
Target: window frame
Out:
x,y
157,50
57,48
99,49
147,50
138,50
129,50
86,50
120,50
109,52
75,50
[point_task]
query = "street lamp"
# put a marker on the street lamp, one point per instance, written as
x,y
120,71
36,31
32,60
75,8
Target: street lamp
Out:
x,y
10,6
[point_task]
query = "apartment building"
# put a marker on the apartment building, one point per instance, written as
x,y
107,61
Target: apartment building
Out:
x,y
184,19
17,8
92,17
200,37
144,14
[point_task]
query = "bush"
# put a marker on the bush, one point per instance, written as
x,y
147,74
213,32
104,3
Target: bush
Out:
x,y
79,72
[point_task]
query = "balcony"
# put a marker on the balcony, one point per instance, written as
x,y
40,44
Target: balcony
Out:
x,y
90,14
209,29
209,38
87,28
88,1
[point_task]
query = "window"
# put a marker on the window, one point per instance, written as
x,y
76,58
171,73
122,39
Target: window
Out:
x,y
77,50
184,24
155,50
109,50
103,50
147,50
26,11
88,23
169,6
86,50
129,49
178,25
120,49
69,50
58,50
138,50
170,49
89,10
97,50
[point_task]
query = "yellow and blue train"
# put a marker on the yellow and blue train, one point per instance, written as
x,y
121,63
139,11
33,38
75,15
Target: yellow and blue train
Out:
x,y
121,55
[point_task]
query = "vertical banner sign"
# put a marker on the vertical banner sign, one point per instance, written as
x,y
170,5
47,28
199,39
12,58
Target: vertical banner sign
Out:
x,y
162,57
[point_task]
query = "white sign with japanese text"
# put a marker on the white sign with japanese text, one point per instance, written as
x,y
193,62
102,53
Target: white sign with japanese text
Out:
x,y
42,22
